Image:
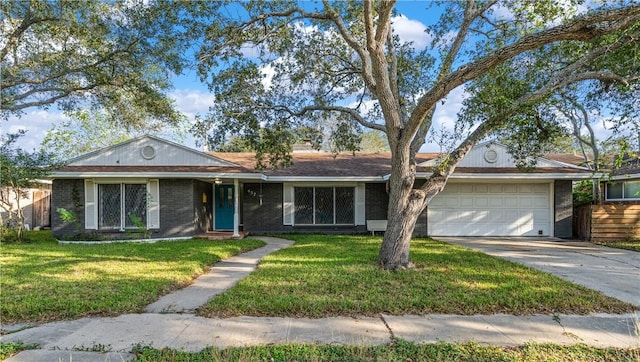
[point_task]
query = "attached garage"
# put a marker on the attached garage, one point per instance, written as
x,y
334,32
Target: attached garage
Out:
x,y
492,209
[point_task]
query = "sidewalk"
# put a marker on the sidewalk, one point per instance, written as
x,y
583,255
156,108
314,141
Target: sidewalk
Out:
x,y
70,340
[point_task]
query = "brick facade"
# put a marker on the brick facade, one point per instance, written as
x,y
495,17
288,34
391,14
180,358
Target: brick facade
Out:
x,y
66,194
180,200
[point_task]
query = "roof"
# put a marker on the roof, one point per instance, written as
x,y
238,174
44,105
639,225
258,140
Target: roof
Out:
x,y
567,158
128,160
630,169
325,163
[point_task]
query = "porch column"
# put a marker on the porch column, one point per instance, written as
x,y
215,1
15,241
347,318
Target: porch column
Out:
x,y
236,208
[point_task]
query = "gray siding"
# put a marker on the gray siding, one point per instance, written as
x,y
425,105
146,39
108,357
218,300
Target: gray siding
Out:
x,y
563,209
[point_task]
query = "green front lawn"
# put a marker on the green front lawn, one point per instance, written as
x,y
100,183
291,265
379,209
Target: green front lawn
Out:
x,y
323,276
399,350
628,245
43,281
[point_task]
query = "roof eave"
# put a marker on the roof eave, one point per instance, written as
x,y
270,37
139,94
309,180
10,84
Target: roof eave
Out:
x,y
80,174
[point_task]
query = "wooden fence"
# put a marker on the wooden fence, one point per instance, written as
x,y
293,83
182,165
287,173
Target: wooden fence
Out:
x,y
607,222
41,208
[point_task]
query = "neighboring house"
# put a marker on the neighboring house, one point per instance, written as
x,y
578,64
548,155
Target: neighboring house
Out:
x,y
176,191
623,185
617,217
35,204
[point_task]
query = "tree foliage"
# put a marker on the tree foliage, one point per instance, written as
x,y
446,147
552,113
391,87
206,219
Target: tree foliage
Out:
x,y
280,65
19,171
87,130
119,55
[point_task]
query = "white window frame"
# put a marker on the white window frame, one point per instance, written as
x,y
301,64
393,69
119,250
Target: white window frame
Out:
x,y
623,183
123,212
92,202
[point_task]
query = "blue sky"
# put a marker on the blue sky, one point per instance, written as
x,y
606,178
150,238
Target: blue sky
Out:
x,y
193,97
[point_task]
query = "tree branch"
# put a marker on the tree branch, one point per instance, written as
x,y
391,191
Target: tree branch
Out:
x,y
583,28
8,106
562,79
350,111
367,74
26,23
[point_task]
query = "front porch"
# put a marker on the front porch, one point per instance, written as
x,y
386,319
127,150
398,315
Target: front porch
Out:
x,y
220,235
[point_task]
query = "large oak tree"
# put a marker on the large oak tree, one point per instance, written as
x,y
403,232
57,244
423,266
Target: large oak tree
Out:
x,y
116,56
275,66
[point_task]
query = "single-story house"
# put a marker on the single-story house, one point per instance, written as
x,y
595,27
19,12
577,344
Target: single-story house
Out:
x,y
176,191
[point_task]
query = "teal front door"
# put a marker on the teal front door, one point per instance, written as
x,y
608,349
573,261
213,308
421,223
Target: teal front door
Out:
x,y
224,207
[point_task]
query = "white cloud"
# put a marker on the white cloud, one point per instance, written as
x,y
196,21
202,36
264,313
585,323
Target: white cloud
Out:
x,y
36,123
192,101
411,31
445,118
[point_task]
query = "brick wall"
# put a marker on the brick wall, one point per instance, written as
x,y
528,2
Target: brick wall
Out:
x,y
267,217
67,194
176,209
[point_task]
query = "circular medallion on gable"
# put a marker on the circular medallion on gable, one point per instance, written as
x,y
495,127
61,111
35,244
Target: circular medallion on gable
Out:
x,y
148,152
491,156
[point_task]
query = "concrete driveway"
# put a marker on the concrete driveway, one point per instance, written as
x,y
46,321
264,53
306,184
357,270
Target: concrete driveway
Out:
x,y
614,272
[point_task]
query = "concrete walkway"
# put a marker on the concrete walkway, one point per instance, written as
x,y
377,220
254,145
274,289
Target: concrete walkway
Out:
x,y
163,327
222,276
614,272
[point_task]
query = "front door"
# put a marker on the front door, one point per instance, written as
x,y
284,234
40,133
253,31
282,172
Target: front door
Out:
x,y
224,207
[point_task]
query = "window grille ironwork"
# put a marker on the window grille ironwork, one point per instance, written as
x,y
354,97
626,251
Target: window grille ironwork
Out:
x,y
303,197
324,205
135,204
345,211
117,203
109,206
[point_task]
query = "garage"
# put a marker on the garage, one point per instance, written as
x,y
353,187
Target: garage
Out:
x,y
491,209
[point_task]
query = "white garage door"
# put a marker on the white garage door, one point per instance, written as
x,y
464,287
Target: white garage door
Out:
x,y
487,209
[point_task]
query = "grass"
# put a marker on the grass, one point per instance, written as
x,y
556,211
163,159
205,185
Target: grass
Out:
x,y
8,349
399,350
323,276
43,281
628,245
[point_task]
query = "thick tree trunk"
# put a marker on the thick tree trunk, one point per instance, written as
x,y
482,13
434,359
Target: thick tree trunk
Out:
x,y
405,205
394,252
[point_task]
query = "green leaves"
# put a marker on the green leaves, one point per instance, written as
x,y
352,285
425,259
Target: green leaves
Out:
x,y
120,55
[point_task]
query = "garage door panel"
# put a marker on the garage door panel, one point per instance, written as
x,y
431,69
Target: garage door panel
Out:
x,y
466,201
490,210
465,188
510,201
510,189
540,202
481,188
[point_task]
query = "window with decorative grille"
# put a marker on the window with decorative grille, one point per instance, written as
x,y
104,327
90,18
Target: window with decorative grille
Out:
x,y
324,205
120,205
